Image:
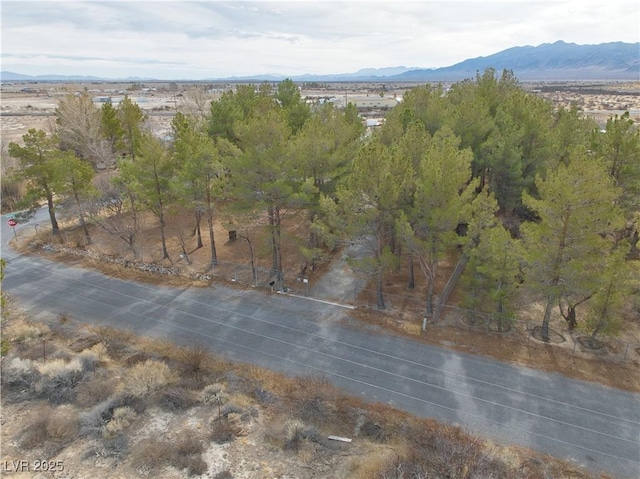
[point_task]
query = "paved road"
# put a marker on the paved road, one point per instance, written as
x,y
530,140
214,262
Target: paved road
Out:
x,y
595,427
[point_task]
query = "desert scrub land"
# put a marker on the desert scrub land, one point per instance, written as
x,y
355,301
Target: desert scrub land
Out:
x,y
81,401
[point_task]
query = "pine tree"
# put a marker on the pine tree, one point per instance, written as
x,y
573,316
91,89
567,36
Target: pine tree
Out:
x,y
73,178
576,210
38,167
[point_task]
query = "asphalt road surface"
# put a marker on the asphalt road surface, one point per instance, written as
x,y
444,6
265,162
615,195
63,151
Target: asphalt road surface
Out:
x,y
593,426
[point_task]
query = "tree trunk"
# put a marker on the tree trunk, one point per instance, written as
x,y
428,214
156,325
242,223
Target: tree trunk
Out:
x,y
570,316
252,258
411,284
430,290
199,243
277,244
379,294
272,228
212,240
52,212
83,223
165,252
547,316
597,330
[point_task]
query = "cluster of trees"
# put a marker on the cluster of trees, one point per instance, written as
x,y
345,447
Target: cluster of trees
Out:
x,y
484,172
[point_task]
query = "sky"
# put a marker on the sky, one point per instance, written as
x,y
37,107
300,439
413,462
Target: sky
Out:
x,y
177,39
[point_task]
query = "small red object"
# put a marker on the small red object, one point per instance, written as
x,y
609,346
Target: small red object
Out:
x,y
12,222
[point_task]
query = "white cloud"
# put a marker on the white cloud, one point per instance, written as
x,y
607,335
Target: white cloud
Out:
x,y
180,39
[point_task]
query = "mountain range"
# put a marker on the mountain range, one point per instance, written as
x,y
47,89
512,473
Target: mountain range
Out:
x,y
548,61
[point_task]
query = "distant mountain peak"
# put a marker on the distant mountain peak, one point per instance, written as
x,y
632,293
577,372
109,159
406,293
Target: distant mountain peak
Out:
x,y
548,61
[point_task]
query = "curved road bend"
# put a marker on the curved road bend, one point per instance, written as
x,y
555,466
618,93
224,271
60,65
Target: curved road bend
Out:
x,y
593,426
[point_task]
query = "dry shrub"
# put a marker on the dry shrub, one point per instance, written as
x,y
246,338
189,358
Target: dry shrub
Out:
x,y
89,360
269,380
100,350
414,329
121,419
96,390
23,331
146,378
51,429
312,400
291,434
20,373
96,418
223,431
58,378
84,342
374,465
136,358
226,474
193,360
449,452
93,421
115,448
115,340
176,399
151,454
214,394
296,432
184,453
373,431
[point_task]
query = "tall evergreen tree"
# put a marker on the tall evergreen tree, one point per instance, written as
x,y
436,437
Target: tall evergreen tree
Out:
x,y
576,210
150,176
37,160
72,178
201,177
443,188
263,175
132,119
366,207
